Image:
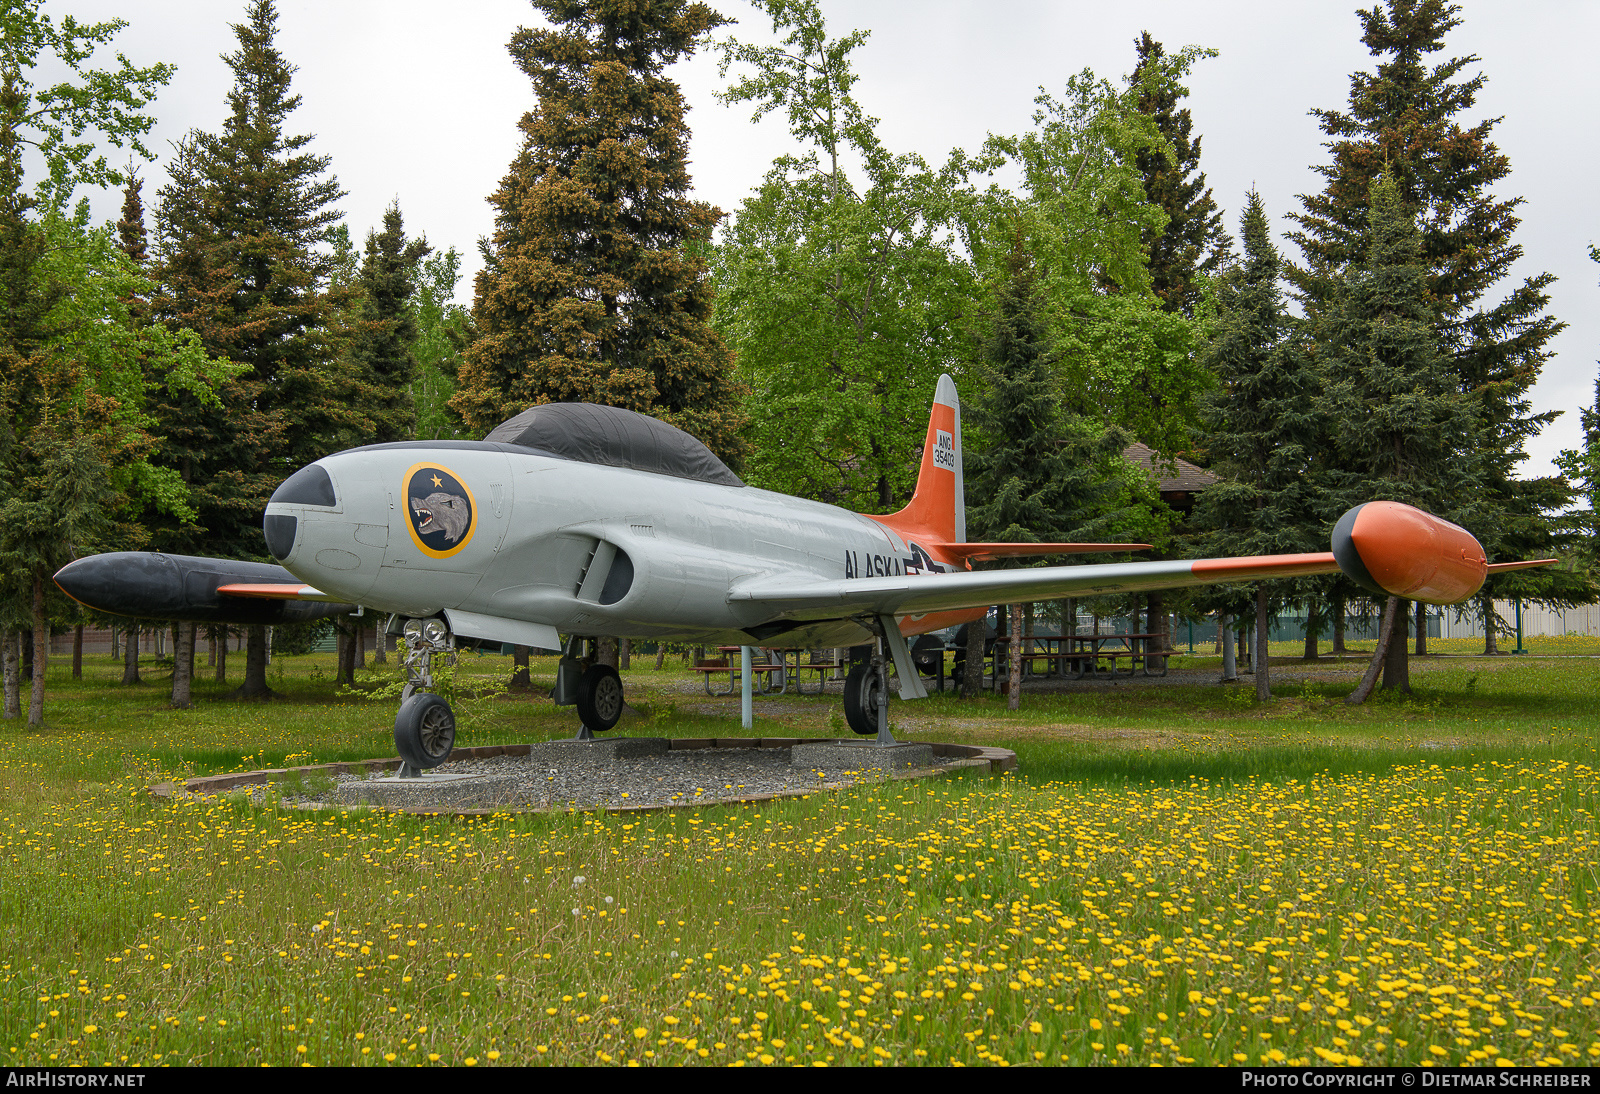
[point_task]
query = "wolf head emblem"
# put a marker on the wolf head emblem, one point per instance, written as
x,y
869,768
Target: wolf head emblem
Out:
x,y
442,512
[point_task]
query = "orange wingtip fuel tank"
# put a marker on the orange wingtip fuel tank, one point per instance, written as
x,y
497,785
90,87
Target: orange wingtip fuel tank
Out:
x,y
1391,549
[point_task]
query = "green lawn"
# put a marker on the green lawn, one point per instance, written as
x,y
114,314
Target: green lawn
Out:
x,y
1176,875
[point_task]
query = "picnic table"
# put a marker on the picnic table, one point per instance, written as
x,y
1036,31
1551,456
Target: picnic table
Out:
x,y
1083,655
1120,654
824,665
763,682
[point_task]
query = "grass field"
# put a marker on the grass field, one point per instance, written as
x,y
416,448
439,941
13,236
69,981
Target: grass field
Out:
x,y
1176,875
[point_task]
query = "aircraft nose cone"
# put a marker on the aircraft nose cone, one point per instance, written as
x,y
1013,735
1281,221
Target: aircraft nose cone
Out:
x,y
125,583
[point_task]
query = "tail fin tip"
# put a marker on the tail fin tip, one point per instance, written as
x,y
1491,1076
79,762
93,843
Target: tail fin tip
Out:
x,y
938,507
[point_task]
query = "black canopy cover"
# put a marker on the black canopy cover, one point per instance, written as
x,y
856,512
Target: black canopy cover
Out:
x,y
613,437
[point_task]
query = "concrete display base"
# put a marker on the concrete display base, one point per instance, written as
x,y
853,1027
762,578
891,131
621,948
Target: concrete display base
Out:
x,y
621,774
861,755
598,751
433,789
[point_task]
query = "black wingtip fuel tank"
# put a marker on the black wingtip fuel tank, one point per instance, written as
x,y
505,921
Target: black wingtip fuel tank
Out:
x,y
182,588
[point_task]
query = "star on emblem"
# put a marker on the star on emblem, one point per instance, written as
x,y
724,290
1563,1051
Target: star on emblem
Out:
x,y
437,481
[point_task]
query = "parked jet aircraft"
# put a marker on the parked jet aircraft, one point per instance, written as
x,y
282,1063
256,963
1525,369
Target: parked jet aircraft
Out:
x,y
590,521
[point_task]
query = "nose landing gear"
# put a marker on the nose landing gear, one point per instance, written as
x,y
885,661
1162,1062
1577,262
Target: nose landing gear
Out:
x,y
424,733
425,728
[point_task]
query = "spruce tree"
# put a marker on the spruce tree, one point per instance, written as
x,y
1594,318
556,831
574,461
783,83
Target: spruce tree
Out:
x,y
240,227
217,451
1403,119
1193,244
592,287
1403,429
1263,428
1037,473
54,479
131,234
1581,466
380,354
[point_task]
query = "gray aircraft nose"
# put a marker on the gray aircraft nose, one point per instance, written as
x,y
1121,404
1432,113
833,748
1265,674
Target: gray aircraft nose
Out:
x,y
308,486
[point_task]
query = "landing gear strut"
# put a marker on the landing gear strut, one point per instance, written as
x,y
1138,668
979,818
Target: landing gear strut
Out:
x,y
425,728
866,688
864,695
595,689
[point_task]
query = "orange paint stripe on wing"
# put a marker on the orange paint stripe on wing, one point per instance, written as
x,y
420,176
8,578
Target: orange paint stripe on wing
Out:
x,y
1239,569
271,592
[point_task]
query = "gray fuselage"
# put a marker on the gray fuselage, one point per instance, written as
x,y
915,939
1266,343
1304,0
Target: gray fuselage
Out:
x,y
582,548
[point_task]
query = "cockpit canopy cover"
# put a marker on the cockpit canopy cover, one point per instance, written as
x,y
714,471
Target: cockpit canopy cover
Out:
x,y
613,437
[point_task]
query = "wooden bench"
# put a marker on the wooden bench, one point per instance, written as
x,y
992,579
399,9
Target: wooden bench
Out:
x,y
1089,663
823,669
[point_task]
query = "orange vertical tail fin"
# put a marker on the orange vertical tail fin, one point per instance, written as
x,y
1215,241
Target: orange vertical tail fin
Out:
x,y
938,509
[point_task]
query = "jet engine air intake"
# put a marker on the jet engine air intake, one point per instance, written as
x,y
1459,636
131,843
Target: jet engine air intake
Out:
x,y
608,576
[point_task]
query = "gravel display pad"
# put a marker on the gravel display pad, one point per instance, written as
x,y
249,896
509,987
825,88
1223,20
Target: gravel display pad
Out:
x,y
697,777
566,775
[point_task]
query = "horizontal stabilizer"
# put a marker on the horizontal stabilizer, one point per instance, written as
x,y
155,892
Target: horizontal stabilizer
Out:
x,y
1502,567
986,552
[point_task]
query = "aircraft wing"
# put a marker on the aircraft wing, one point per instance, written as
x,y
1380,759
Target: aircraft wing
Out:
x,y
917,595
1387,548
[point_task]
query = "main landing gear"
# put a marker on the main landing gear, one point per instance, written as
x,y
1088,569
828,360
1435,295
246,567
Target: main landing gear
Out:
x,y
866,697
425,728
595,689
866,688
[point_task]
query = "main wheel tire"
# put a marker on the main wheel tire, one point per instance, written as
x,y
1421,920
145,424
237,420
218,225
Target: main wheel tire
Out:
x,y
600,697
424,730
863,691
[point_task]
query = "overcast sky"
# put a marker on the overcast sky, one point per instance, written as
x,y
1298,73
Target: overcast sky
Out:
x,y
418,101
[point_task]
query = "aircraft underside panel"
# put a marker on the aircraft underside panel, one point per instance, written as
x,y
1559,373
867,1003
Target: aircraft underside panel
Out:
x,y
513,632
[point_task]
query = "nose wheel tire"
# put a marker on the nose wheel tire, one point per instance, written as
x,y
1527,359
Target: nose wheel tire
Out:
x,y
599,697
863,691
424,730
